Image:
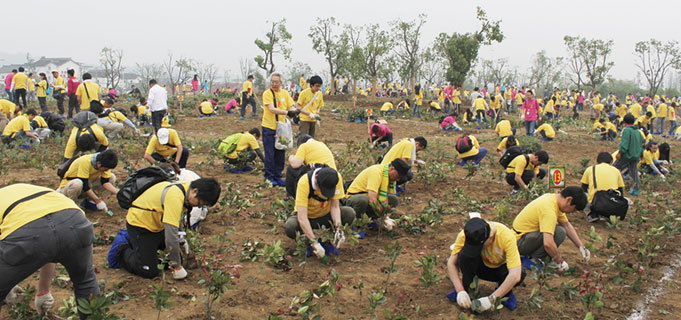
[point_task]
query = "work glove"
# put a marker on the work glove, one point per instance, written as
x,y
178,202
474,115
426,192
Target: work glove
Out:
x,y
101,205
43,302
662,176
388,224
314,116
179,273
292,113
37,140
15,295
485,304
563,266
586,254
338,238
463,299
420,162
318,250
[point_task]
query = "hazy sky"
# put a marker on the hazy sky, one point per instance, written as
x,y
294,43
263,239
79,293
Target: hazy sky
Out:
x,y
222,32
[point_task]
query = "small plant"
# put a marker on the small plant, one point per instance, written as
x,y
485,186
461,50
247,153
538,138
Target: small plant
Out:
x,y
427,264
97,308
160,293
392,251
219,281
249,250
23,309
591,289
544,274
276,255
308,301
375,299
534,301
595,238
614,222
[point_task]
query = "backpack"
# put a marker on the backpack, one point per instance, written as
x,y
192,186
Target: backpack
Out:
x,y
83,121
64,167
228,145
140,181
293,175
54,121
510,154
464,144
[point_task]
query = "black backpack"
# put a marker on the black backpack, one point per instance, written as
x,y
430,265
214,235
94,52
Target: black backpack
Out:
x,y
510,154
54,122
293,175
140,181
464,144
83,121
62,168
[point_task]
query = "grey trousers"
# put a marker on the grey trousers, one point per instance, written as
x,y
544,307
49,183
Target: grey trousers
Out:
x,y
291,226
532,244
360,203
64,237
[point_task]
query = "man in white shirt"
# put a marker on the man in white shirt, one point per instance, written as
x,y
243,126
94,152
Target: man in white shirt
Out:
x,y
157,101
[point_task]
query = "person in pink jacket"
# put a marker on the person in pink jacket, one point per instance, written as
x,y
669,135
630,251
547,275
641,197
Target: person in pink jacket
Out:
x,y
380,133
530,112
232,104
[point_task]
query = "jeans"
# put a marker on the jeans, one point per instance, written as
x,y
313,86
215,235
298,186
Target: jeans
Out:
x,y
308,127
183,157
60,103
274,158
482,152
43,103
416,111
480,116
632,170
530,125
139,256
245,100
659,127
10,95
447,106
673,125
157,119
73,105
20,94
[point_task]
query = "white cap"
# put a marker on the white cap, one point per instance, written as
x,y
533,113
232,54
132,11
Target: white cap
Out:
x,y
163,135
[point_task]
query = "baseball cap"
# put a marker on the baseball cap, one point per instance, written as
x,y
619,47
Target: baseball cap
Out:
x,y
327,179
401,167
477,232
163,135
55,70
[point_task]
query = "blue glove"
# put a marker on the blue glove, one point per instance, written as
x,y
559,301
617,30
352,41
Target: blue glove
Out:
x,y
511,303
360,234
452,296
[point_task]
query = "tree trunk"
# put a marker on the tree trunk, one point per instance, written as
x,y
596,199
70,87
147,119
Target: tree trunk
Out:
x,y
354,88
374,83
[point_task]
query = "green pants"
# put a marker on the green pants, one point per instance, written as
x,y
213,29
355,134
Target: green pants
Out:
x,y
291,226
532,244
360,203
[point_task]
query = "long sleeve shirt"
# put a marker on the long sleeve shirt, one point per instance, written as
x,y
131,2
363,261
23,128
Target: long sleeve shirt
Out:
x,y
71,86
157,99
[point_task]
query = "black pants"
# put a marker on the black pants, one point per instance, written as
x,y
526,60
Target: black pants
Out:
x,y
183,157
139,256
387,138
43,103
471,267
245,100
74,107
157,119
528,175
20,93
60,102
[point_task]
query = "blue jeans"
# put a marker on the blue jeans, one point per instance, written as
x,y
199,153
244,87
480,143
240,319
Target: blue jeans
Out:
x,y
416,110
482,152
274,159
659,127
480,116
673,126
530,126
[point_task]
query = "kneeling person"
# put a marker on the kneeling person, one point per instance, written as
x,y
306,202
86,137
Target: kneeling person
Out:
x,y
524,168
247,148
166,143
87,169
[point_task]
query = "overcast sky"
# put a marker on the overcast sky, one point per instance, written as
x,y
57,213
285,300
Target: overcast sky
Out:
x,y
222,32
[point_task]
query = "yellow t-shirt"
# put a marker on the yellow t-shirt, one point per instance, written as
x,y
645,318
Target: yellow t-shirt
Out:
x,y
7,107
435,105
59,85
621,110
315,208
92,93
71,145
662,110
607,178
206,107
456,96
479,104
642,121
548,129
418,98
31,85
647,158
117,116
314,151
42,89
542,214
387,106
504,129
503,144
165,150
496,104
141,110
284,102
246,141
473,151
15,125
40,121
303,83
598,107
650,108
247,87
313,102
519,164
29,210
20,80
155,213
82,168
401,150
549,107
635,109
504,249
368,180
519,98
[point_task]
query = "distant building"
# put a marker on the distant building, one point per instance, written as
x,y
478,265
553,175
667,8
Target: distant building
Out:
x,y
45,65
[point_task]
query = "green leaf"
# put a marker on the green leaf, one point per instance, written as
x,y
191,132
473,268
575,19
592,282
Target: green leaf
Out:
x,y
589,316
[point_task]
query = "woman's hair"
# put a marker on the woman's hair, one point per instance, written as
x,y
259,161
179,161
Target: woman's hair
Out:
x,y
42,76
664,151
417,89
196,77
511,141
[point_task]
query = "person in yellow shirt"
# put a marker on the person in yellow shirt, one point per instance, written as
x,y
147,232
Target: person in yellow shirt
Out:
x,y
606,130
89,169
87,91
302,82
166,144
495,104
418,101
504,129
248,97
549,109
278,105
672,118
523,168
19,128
606,178
541,227
41,227
597,108
310,101
456,100
644,121
153,224
311,154
207,108
547,132
434,107
8,108
318,195
113,120
406,150
662,111
81,140
506,143
247,148
620,110
387,108
39,127
20,85
58,90
469,149
635,109
489,251
41,92
480,106
650,162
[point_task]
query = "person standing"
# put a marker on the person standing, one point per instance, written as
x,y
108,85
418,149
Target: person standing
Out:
x,y
277,103
195,83
41,91
31,89
157,100
8,85
309,103
72,86
247,98
630,150
530,113
20,85
58,93
86,92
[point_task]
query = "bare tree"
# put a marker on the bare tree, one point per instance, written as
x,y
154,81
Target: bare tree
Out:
x,y
408,35
178,70
111,61
334,46
655,59
246,67
208,72
575,60
276,42
147,72
545,71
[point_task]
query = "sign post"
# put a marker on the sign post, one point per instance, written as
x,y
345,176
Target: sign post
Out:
x,y
180,98
557,177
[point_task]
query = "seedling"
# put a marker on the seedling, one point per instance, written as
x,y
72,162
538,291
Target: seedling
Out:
x,y
427,266
391,252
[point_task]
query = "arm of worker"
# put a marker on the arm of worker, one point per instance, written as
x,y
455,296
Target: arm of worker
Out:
x,y
80,99
149,158
172,240
335,212
274,110
258,152
295,162
453,273
571,233
178,154
304,223
108,186
513,277
551,248
32,135
46,276
129,123
521,183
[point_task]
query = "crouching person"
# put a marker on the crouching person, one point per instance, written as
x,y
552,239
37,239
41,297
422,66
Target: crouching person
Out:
x,y
95,169
489,251
376,184
244,147
523,168
153,222
19,128
42,227
166,144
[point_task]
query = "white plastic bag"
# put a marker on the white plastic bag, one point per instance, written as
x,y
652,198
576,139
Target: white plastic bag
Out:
x,y
284,140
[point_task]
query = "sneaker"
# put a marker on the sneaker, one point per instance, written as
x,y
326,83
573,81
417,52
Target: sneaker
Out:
x,y
245,119
592,218
235,170
87,204
247,169
121,238
255,115
272,181
281,182
226,167
634,192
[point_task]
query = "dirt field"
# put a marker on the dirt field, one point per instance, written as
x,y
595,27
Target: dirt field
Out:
x,y
263,290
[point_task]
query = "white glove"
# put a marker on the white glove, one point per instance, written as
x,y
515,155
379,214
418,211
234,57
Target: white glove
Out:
x,y
586,254
338,238
185,247
563,266
485,304
662,176
388,224
420,162
314,116
37,140
44,303
101,205
179,273
463,299
318,250
15,295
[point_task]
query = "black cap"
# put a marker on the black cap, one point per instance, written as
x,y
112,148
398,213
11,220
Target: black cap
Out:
x,y
327,179
402,168
477,232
